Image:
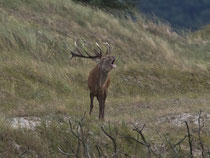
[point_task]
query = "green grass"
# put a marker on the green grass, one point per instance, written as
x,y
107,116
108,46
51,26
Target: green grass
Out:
x,y
159,72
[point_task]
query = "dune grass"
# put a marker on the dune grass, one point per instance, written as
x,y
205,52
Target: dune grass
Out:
x,y
155,68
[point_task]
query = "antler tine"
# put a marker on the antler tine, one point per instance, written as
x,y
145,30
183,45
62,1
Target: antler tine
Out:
x,y
99,53
75,43
109,48
83,45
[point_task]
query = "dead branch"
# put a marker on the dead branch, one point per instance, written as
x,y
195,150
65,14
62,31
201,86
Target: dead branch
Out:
x,y
98,150
85,142
180,142
139,131
199,133
76,154
112,139
134,139
80,137
23,153
72,131
137,138
64,153
189,139
173,146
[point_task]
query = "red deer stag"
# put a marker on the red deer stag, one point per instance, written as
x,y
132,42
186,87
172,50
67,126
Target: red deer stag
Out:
x,y
99,79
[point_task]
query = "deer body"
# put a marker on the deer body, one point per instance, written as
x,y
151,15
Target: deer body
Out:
x,y
98,83
99,79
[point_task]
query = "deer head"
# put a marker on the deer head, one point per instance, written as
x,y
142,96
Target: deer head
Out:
x,y
106,62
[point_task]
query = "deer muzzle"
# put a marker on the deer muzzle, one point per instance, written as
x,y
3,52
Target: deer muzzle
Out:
x,y
112,63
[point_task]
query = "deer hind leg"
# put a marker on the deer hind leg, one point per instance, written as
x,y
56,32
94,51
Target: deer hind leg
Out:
x,y
91,102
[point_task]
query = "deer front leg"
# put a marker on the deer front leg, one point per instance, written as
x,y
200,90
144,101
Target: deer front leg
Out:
x,y
104,100
100,101
91,102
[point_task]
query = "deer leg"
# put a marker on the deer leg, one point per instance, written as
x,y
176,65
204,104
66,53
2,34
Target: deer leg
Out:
x,y
91,102
100,100
103,105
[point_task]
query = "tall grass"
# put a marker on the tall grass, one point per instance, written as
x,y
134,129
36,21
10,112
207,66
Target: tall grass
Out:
x,y
37,36
155,66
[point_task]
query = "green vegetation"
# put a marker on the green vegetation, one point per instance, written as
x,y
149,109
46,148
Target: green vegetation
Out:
x,y
158,73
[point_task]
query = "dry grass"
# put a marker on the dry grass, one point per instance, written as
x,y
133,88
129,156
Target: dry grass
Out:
x,y
159,72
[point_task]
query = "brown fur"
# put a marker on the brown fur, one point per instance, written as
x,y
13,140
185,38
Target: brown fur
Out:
x,y
98,83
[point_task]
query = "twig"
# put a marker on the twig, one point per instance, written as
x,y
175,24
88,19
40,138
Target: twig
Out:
x,y
137,141
136,145
179,142
84,140
199,134
98,149
81,137
65,153
83,117
112,139
72,131
23,153
126,154
78,148
145,141
72,150
189,140
173,147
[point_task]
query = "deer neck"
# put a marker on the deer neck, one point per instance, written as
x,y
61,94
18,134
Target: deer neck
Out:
x,y
102,78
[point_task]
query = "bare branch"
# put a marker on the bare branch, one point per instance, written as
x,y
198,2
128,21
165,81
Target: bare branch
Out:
x,y
136,144
173,146
112,139
189,139
72,131
98,150
145,141
179,142
129,137
199,133
84,140
142,136
23,153
65,153
72,150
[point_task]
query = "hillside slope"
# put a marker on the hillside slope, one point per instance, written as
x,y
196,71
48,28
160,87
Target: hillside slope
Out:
x,y
158,71
36,38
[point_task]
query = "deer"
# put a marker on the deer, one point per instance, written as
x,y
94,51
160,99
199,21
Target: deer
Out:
x,y
99,78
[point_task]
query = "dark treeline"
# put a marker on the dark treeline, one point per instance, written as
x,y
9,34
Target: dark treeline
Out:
x,y
191,14
111,4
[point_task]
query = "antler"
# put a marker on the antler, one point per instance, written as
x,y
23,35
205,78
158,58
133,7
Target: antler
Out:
x,y
98,53
81,55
